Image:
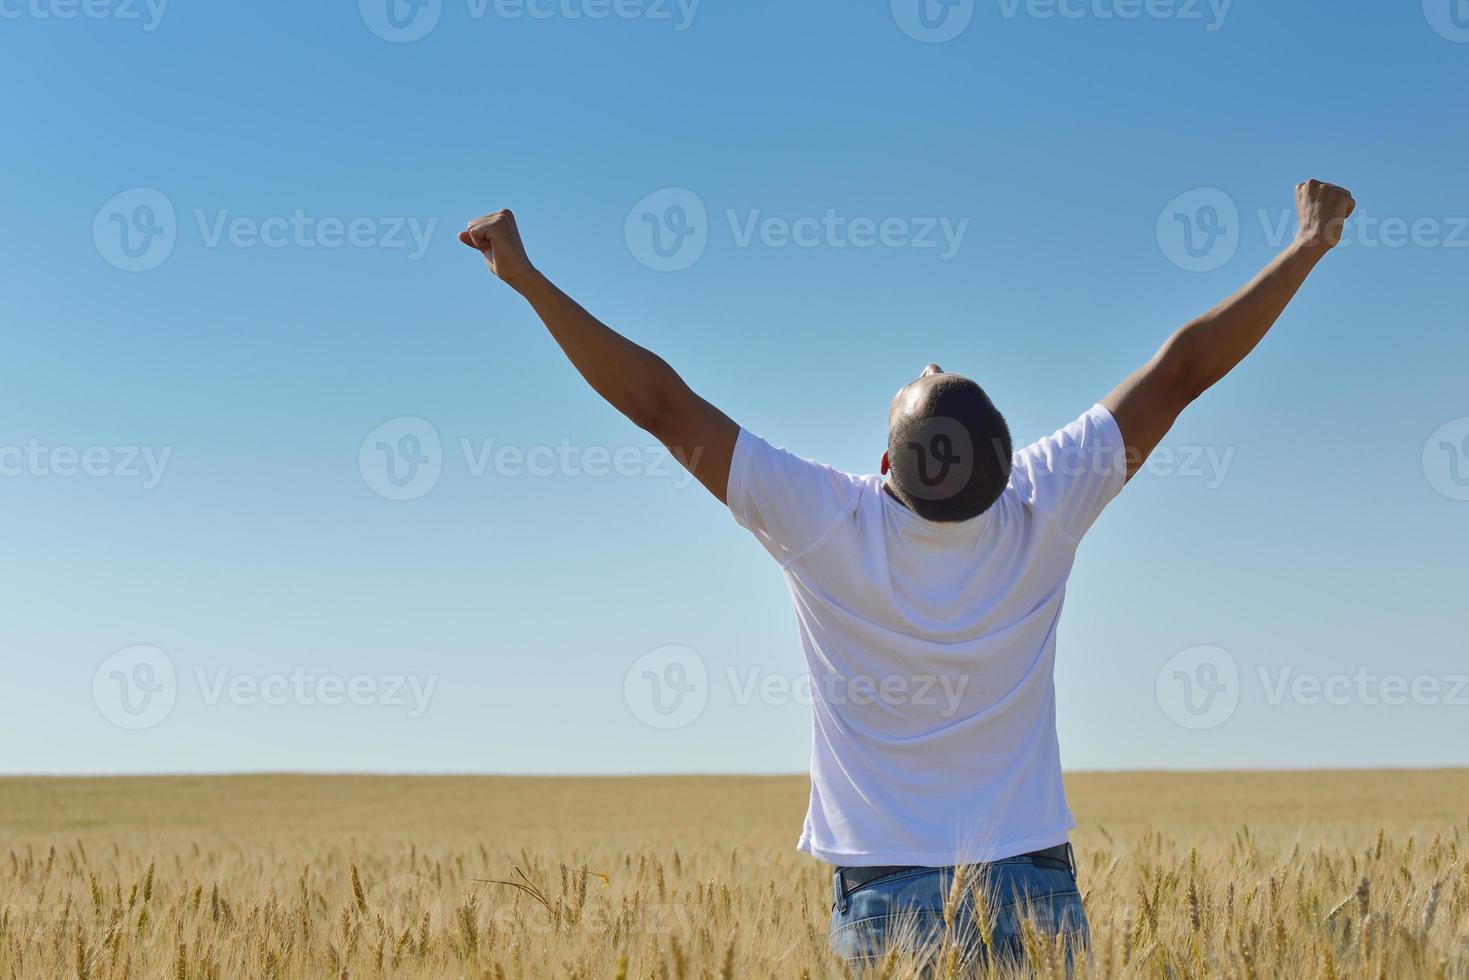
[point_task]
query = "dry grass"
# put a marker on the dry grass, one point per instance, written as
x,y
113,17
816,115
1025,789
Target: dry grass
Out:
x,y
1292,875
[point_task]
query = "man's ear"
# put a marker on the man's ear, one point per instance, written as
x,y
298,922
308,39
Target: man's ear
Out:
x,y
885,464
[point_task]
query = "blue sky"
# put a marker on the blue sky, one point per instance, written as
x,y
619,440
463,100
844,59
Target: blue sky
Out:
x,y
201,556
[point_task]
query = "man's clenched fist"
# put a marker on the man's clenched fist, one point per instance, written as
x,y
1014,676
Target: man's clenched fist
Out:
x,y
497,238
1323,210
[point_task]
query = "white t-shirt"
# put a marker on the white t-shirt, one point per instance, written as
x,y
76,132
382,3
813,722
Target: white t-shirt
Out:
x,y
930,647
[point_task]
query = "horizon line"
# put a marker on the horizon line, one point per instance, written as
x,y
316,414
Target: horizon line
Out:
x,y
388,774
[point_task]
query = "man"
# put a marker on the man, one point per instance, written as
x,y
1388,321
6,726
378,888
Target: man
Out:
x,y
946,574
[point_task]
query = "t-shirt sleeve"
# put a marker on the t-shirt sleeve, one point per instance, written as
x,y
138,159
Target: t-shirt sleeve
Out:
x,y
1069,477
787,502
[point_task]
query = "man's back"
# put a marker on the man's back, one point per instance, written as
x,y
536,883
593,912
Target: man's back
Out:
x,y
930,647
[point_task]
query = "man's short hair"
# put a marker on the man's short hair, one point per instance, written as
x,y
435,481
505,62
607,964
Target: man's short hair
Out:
x,y
949,454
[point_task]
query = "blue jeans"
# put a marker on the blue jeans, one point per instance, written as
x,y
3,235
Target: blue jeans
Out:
x,y
905,911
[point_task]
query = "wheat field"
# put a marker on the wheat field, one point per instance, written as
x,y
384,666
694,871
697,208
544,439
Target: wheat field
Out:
x,y
1355,874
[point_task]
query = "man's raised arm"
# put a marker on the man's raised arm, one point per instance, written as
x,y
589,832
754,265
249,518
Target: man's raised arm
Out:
x,y
636,382
1150,400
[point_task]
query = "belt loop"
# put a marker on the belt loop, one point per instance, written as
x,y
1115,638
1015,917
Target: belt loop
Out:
x,y
838,893
1071,859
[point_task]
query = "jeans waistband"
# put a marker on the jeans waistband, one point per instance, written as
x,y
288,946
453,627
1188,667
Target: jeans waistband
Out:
x,y
1061,857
